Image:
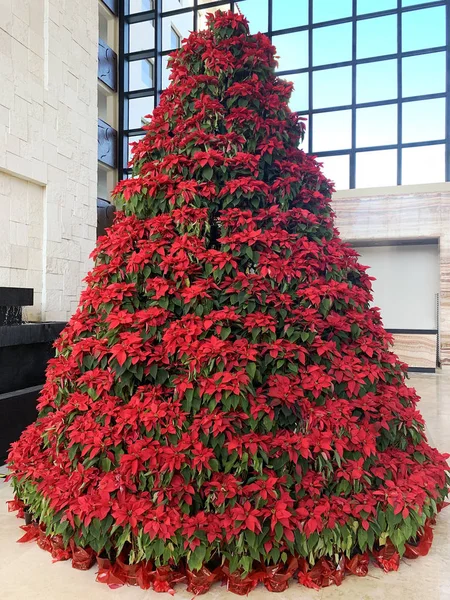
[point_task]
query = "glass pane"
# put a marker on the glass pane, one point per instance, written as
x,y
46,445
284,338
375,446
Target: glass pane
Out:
x,y
141,74
299,98
257,12
138,108
376,126
425,164
376,169
332,87
286,14
176,4
165,73
376,81
305,144
137,6
424,74
371,31
423,28
133,138
141,36
205,11
332,44
337,168
332,131
413,2
175,28
328,10
424,121
369,6
292,48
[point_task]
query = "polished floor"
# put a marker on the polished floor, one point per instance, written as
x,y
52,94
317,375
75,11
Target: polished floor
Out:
x,y
27,573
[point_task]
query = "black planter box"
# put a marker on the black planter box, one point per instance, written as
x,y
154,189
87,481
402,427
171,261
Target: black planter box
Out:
x,y
24,352
17,411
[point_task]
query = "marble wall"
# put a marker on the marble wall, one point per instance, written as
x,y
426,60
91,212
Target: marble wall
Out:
x,y
403,213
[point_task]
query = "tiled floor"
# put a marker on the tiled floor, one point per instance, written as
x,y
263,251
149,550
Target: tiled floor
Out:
x,y
27,573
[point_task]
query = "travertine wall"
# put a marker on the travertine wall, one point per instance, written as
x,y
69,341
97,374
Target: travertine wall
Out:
x,y
48,148
407,212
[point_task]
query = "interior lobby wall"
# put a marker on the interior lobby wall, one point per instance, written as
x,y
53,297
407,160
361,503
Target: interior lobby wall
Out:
x,y
48,148
404,213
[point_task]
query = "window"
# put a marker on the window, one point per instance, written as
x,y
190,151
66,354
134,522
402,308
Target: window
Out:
x,y
292,49
257,13
175,38
332,87
374,102
370,32
137,6
141,73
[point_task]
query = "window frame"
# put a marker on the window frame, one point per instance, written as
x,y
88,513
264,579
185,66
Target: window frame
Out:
x,y
157,54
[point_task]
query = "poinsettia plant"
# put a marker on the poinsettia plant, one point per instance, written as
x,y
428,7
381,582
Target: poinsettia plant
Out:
x,y
225,394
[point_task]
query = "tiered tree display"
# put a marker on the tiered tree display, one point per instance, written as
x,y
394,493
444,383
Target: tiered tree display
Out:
x,y
224,403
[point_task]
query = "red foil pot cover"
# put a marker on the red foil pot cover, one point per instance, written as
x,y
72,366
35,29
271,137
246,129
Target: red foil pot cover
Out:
x,y
237,584
31,533
164,578
422,547
276,578
358,565
82,558
199,582
322,574
58,550
387,557
110,574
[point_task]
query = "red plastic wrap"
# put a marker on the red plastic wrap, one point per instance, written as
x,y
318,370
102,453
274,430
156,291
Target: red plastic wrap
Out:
x,y
387,557
199,582
276,578
58,550
322,574
164,578
110,574
43,541
82,558
358,565
18,505
237,584
139,574
31,533
423,546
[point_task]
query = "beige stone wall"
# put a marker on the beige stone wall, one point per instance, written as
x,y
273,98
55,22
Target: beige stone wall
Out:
x,y
407,212
48,148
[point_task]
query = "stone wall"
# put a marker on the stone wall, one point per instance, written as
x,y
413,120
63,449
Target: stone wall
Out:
x,y
48,149
403,213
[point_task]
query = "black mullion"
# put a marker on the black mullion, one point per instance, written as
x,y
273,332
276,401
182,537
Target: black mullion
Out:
x,y
376,103
354,47
121,77
348,151
363,61
147,15
447,107
140,55
399,94
158,48
177,11
195,15
144,93
270,18
310,76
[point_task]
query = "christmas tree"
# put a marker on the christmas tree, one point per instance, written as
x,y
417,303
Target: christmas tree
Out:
x,y
224,403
